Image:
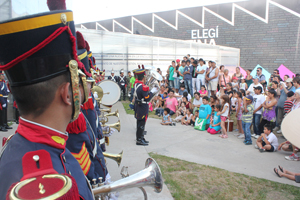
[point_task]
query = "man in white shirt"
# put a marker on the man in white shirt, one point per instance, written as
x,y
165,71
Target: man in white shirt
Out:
x,y
201,70
255,83
258,100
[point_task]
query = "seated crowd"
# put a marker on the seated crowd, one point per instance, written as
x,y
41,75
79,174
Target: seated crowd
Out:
x,y
194,93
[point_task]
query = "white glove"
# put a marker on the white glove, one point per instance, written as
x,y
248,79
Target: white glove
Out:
x,y
4,105
106,129
154,90
95,95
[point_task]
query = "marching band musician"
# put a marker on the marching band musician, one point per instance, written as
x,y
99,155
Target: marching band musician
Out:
x,y
47,99
83,141
122,83
141,108
113,77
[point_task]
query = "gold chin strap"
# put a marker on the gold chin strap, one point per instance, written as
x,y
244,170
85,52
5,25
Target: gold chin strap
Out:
x,y
73,67
85,88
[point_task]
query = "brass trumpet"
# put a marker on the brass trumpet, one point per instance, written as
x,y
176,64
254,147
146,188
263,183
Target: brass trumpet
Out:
x,y
115,157
108,110
116,113
116,125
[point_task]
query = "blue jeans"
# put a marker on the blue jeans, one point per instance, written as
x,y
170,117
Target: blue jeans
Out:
x,y
256,122
176,83
188,86
247,132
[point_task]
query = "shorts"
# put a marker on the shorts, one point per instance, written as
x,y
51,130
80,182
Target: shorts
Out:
x,y
272,148
297,179
212,85
291,147
223,118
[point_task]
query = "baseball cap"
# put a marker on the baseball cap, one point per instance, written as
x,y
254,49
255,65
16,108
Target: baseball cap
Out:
x,y
177,60
213,61
249,97
289,80
235,78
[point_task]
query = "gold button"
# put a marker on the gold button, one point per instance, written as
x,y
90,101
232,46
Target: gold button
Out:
x,y
69,172
64,157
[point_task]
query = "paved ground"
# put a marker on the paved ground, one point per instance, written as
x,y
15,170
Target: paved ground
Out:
x,y
185,143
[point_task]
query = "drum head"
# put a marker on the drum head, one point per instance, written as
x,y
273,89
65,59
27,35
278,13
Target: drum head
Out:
x,y
290,127
111,92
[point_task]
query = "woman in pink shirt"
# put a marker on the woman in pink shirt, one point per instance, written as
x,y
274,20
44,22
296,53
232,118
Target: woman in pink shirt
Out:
x,y
171,103
203,91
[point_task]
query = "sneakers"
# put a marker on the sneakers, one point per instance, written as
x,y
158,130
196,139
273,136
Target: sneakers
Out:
x,y
248,143
241,136
292,157
236,134
173,123
255,146
256,136
276,129
253,135
262,150
279,132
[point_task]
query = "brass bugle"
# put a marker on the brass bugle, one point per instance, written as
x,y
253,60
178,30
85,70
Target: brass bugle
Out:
x,y
115,157
116,125
116,113
108,110
150,176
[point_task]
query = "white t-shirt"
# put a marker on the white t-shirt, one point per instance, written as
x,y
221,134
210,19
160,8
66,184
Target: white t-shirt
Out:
x,y
251,88
257,101
200,68
233,101
273,140
225,114
243,86
234,84
197,102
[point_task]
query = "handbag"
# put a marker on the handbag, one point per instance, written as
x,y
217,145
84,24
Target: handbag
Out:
x,y
200,124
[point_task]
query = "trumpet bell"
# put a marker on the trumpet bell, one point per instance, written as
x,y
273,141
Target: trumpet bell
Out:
x,y
150,176
99,92
116,113
116,125
115,157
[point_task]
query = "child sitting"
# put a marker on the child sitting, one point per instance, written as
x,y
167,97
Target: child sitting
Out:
x,y
166,120
194,117
180,112
215,122
203,92
267,141
205,111
188,117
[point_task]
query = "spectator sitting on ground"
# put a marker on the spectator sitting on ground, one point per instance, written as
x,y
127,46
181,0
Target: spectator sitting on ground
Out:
x,y
287,146
171,103
205,111
182,90
197,101
255,83
188,117
287,174
181,110
188,96
188,104
203,92
215,122
160,108
195,116
288,104
267,141
166,120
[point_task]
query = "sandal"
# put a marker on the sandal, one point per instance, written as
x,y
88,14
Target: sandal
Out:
x,y
225,136
276,172
281,168
221,136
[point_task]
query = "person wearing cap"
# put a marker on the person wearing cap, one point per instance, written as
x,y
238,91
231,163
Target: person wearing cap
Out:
x,y
255,83
122,80
212,77
142,97
258,100
280,104
113,77
201,69
247,118
47,99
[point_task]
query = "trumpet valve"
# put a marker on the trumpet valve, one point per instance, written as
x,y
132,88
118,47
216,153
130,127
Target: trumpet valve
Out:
x,y
100,181
94,185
